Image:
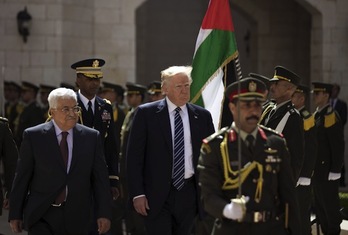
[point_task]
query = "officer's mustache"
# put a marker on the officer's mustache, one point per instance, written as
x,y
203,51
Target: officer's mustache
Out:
x,y
253,117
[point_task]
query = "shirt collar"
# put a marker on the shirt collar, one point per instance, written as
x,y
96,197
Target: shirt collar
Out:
x,y
172,107
85,100
58,130
244,134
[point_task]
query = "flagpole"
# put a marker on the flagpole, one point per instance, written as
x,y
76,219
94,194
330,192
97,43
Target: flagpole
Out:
x,y
238,74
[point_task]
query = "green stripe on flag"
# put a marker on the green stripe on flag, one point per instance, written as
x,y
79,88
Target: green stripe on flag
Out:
x,y
212,54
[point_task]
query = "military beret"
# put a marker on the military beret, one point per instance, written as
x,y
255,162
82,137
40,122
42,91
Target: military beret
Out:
x,y
107,86
250,89
303,89
133,88
46,88
262,78
29,86
282,73
90,68
154,87
67,85
320,86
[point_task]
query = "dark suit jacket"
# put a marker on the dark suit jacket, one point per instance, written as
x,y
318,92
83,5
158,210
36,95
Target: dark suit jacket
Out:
x,y
293,133
341,108
41,173
8,158
150,150
103,122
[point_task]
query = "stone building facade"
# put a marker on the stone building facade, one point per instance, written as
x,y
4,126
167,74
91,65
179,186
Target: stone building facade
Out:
x,y
139,38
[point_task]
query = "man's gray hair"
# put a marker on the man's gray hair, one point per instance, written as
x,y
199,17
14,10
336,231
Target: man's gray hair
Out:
x,y
60,93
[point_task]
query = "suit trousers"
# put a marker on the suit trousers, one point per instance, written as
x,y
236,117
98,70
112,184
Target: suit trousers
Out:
x,y
178,212
51,223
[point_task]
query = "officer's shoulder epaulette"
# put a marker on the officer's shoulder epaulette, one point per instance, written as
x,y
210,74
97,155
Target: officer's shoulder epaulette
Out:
x,y
330,117
305,113
2,119
216,135
270,130
107,101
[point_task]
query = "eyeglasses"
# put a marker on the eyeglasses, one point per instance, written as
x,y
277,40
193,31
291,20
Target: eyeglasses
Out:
x,y
67,110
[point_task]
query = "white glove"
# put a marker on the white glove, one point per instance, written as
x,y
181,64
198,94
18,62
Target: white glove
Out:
x,y
303,181
334,176
236,209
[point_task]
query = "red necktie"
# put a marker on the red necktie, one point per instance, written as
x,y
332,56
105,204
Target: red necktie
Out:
x,y
65,153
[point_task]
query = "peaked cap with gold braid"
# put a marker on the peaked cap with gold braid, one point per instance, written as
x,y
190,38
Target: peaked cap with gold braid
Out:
x,y
90,68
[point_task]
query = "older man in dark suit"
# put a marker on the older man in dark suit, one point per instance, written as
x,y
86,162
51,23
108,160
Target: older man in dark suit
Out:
x,y
61,169
162,156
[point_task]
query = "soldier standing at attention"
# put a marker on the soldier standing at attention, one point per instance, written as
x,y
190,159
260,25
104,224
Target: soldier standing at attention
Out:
x,y
304,189
97,113
13,105
31,114
154,91
264,178
327,172
283,117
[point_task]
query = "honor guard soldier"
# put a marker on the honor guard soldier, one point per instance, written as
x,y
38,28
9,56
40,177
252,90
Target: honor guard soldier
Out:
x,y
327,171
44,92
304,189
32,112
267,82
154,91
8,161
282,116
97,113
13,106
253,193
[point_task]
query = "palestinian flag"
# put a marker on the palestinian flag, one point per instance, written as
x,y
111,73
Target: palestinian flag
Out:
x,y
215,47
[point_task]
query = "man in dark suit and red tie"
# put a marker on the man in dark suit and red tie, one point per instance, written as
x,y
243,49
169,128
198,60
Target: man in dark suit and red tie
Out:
x,y
61,169
162,171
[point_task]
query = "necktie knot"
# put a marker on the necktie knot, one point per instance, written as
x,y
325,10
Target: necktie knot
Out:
x,y
64,135
177,109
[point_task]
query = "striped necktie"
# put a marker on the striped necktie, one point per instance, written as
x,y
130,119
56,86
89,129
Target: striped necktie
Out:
x,y
179,151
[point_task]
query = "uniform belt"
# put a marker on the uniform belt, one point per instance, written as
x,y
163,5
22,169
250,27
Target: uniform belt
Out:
x,y
259,216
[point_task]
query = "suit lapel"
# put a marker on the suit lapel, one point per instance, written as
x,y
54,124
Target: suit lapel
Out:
x,y
50,138
194,128
77,144
164,121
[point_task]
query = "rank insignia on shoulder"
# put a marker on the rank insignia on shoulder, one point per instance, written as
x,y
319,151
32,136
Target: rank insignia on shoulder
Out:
x,y
3,119
107,101
271,151
308,123
215,135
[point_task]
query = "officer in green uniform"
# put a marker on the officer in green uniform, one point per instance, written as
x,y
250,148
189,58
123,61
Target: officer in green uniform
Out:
x,y
44,92
327,171
32,113
8,158
13,106
154,91
304,189
254,194
97,113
